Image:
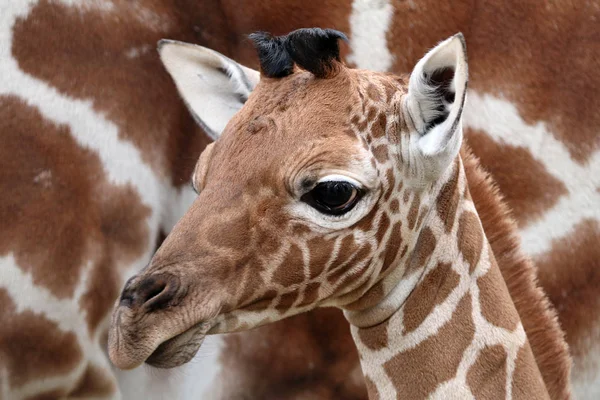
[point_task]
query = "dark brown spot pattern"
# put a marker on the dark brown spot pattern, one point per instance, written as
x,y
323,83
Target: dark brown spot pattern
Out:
x,y
447,201
431,291
423,250
496,304
413,212
526,185
527,381
32,346
470,238
487,377
291,270
375,337
393,245
415,373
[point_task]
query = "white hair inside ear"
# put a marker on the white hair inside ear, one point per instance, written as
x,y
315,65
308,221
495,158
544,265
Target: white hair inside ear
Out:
x,y
213,86
436,96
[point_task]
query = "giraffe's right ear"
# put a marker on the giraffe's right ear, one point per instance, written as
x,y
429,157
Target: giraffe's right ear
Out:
x,y
213,86
436,96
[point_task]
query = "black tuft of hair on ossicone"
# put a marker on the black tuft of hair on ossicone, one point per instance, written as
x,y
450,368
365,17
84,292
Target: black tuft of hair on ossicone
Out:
x,y
275,61
313,49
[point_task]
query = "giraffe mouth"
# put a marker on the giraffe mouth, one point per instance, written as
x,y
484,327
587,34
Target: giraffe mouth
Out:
x,y
179,349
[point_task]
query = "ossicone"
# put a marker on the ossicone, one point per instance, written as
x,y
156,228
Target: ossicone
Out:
x,y
313,49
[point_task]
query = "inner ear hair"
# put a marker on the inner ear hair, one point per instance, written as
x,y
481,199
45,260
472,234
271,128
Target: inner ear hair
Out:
x,y
442,92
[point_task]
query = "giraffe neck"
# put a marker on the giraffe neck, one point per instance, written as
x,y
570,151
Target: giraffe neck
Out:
x,y
446,326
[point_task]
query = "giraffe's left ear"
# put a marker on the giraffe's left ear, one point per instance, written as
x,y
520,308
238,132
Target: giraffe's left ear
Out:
x,y
213,86
436,96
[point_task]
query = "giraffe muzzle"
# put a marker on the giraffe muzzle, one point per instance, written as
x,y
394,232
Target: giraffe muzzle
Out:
x,y
151,322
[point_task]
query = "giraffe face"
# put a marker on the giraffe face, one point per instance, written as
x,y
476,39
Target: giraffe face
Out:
x,y
312,192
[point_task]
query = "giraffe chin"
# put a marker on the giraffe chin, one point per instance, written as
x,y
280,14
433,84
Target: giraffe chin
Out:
x,y
179,349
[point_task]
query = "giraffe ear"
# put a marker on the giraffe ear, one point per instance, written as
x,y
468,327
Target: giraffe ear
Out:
x,y
436,96
213,86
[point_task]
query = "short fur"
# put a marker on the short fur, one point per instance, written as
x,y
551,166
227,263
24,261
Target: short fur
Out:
x,y
265,102
538,316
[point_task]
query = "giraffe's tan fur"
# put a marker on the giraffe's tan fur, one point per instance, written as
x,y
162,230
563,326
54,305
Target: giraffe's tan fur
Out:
x,y
372,263
435,356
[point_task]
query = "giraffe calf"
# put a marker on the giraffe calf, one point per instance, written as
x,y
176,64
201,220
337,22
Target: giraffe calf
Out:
x,y
333,187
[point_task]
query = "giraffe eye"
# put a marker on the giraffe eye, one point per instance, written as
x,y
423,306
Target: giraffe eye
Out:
x,y
333,197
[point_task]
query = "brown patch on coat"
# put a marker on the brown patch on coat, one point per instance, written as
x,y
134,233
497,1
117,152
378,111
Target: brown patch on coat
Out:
x,y
447,201
431,291
528,188
311,293
413,212
384,224
495,301
367,223
470,238
373,92
415,373
517,53
400,185
299,229
32,346
94,383
537,314
395,206
372,297
122,219
381,153
291,270
423,250
379,127
392,247
348,246
375,337
250,282
391,183
487,376
320,251
286,301
422,214
307,356
359,256
371,114
565,104
73,218
527,380
86,57
570,275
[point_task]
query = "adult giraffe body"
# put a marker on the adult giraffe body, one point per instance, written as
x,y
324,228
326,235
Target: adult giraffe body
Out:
x,y
341,187
83,92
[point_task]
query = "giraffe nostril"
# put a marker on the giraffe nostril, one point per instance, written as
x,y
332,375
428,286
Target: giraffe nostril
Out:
x,y
153,292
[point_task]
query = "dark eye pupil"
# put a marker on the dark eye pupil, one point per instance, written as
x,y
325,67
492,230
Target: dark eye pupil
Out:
x,y
334,198
333,194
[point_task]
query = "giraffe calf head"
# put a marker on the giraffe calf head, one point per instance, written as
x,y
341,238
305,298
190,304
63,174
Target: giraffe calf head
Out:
x,y
314,191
